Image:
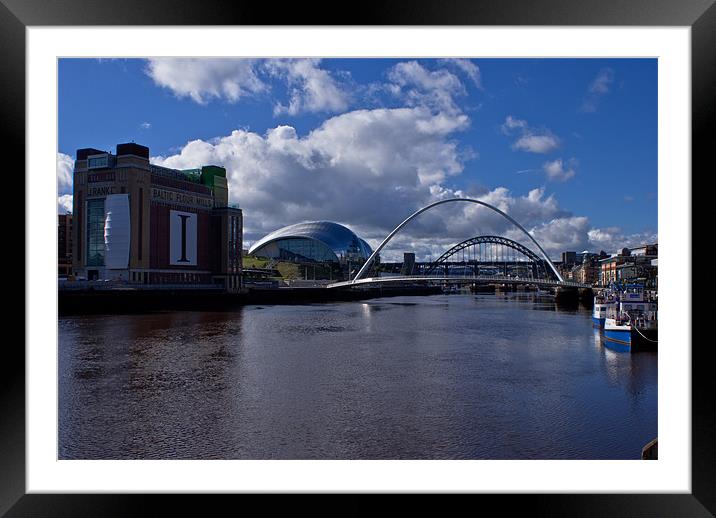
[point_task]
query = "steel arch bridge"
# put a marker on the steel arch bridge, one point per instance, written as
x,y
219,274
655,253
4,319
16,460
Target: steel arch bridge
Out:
x,y
494,255
361,279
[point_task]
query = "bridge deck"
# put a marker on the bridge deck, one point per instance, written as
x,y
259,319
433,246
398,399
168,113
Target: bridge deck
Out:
x,y
489,279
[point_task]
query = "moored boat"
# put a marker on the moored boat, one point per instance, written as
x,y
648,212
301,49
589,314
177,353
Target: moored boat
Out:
x,y
602,301
631,321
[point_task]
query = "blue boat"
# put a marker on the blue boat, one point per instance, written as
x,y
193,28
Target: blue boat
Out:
x,y
602,301
631,321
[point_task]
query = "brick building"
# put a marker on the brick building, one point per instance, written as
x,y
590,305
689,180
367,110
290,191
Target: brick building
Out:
x,y
141,223
629,264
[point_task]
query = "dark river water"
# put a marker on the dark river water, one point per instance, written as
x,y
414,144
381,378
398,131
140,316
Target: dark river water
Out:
x,y
440,377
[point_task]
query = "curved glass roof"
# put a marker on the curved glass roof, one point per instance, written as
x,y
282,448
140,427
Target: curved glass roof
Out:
x,y
335,236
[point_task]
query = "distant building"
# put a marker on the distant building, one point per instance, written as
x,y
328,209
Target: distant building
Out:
x,y
630,265
567,262
408,263
333,247
650,250
141,223
569,258
587,272
64,244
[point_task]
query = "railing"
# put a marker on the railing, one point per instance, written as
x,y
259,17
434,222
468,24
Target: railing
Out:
x,y
489,279
307,283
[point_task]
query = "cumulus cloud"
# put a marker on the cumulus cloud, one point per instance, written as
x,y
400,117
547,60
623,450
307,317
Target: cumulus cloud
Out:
x,y
145,125
418,86
511,123
566,233
65,166
612,239
530,139
558,170
369,169
311,89
64,204
467,67
598,88
362,167
537,143
202,79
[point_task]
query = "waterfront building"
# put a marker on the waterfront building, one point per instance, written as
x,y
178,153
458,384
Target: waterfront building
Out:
x,y
333,246
629,264
64,244
645,250
137,222
587,272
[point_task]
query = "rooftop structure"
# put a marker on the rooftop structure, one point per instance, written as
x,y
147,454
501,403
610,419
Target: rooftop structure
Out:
x,y
313,241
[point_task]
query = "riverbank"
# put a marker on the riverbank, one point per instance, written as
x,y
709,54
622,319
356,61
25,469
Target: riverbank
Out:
x,y
119,301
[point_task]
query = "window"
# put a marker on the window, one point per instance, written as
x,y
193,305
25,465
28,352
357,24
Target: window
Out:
x,y
95,232
97,161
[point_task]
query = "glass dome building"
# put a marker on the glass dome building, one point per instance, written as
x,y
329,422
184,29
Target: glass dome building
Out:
x,y
313,241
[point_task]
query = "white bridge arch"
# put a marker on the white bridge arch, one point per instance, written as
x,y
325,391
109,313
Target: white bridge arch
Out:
x,y
370,259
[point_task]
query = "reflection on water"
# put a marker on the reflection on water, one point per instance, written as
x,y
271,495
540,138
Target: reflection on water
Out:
x,y
453,376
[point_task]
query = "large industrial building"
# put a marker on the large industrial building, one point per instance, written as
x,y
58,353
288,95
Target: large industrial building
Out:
x,y
315,242
140,223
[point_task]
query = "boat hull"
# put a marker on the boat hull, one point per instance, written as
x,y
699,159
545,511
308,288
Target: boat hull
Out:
x,y
626,338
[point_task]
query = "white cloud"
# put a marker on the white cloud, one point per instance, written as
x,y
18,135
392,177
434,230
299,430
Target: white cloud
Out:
x,y
365,168
533,140
612,239
64,204
557,170
598,88
561,234
369,169
470,69
512,123
536,143
145,125
311,89
204,78
418,86
65,167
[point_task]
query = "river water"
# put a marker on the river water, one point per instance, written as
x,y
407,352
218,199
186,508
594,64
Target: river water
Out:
x,y
438,377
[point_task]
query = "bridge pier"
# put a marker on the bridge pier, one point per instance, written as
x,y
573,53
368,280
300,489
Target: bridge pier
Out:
x,y
586,296
566,295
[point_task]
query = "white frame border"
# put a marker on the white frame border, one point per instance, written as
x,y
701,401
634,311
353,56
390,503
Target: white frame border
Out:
x,y
671,473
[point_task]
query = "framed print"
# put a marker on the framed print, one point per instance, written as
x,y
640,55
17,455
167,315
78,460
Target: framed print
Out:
x,y
211,157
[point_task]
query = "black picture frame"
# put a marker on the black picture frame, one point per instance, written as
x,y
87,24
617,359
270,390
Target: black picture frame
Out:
x,y
700,15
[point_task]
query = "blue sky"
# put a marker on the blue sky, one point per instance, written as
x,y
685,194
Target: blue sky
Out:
x,y
566,146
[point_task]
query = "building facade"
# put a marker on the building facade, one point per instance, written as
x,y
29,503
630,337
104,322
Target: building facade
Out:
x,y
64,245
630,265
313,243
140,223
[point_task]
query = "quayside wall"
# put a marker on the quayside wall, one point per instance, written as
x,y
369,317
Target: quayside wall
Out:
x,y
75,302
